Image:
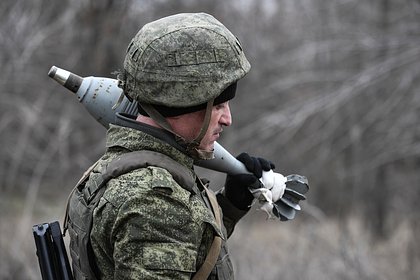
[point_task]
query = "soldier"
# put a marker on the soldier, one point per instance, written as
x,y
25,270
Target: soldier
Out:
x,y
156,219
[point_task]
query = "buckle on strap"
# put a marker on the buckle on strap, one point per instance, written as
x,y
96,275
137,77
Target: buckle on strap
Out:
x,y
89,192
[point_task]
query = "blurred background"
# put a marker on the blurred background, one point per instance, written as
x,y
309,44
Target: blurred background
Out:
x,y
333,94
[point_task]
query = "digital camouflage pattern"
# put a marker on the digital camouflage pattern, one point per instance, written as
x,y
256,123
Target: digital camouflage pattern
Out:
x,y
182,61
146,226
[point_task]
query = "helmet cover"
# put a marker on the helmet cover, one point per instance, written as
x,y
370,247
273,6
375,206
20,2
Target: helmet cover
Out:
x,y
182,61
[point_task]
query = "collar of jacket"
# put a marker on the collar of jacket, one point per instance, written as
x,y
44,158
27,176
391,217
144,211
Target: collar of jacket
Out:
x,y
136,136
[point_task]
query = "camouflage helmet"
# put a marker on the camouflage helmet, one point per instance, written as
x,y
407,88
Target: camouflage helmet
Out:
x,y
182,61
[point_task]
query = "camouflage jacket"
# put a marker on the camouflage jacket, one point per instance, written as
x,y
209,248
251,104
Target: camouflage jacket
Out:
x,y
146,226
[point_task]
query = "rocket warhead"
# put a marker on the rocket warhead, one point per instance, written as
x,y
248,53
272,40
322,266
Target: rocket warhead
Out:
x,y
100,96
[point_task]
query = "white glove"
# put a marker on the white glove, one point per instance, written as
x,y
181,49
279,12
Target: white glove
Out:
x,y
273,188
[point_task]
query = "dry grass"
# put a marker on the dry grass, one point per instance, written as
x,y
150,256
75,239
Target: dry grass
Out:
x,y
18,259
299,249
319,250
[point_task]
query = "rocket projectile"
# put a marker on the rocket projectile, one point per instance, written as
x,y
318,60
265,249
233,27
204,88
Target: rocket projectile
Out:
x,y
99,95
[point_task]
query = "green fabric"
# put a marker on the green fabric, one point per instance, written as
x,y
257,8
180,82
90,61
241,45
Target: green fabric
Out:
x,y
181,61
146,226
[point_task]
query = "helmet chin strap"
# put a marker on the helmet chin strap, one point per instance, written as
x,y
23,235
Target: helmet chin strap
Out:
x,y
192,147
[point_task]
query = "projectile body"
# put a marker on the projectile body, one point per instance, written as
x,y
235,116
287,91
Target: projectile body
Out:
x,y
100,95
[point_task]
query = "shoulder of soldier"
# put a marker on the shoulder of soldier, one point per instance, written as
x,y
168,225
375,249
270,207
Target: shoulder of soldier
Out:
x,y
151,181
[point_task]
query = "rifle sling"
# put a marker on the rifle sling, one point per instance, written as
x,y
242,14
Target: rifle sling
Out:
x,y
213,254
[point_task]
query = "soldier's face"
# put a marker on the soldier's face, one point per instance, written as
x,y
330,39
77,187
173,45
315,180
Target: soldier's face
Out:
x,y
220,117
189,125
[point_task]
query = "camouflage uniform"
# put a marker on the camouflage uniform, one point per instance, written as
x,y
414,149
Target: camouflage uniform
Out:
x,y
146,226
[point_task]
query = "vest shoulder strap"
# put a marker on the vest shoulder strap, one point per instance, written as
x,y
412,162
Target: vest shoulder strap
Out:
x,y
128,162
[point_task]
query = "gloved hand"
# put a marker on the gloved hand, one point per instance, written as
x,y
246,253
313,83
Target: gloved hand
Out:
x,y
272,189
237,186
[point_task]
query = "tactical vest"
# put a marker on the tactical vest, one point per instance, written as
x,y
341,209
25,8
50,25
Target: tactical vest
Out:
x,y
83,200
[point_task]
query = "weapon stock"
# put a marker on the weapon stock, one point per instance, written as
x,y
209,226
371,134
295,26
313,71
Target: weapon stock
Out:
x,y
51,251
43,251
